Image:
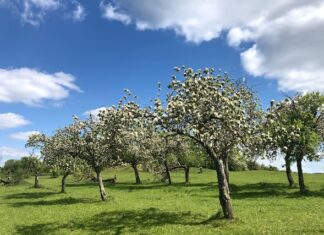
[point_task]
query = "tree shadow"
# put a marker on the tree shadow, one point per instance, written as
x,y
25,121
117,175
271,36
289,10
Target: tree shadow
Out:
x,y
84,184
120,222
61,202
32,195
262,189
130,187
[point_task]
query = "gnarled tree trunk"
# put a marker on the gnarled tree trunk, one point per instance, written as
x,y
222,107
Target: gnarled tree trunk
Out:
x,y
288,171
66,174
36,184
186,170
102,191
301,182
224,192
167,172
226,168
137,176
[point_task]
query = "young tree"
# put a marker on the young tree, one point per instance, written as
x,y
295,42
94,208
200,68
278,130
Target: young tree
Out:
x,y
217,113
33,166
164,149
58,152
308,111
100,140
136,136
186,154
283,134
294,126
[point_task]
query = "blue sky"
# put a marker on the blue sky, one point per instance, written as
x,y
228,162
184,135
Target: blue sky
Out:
x,y
59,58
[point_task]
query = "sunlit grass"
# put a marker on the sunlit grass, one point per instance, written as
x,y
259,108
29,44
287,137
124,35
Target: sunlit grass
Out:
x,y
262,201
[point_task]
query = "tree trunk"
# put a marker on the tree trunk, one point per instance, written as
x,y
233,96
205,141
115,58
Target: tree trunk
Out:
x,y
36,184
66,174
167,172
288,171
301,183
224,193
226,168
137,176
186,169
101,187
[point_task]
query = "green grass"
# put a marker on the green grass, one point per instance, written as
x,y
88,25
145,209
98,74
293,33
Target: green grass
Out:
x,y
262,202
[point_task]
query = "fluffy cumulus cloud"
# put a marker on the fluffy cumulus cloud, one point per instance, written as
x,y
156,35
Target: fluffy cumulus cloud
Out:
x,y
284,36
32,87
23,135
34,11
7,153
79,13
11,120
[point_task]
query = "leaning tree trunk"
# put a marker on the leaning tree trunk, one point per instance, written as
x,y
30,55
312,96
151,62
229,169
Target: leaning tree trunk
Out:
x,y
167,172
301,182
288,171
66,174
226,168
102,191
224,192
36,184
137,176
186,170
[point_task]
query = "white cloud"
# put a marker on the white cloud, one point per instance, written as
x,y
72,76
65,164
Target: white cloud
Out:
x,y
78,13
7,153
290,49
23,135
32,87
11,120
286,35
110,13
94,112
34,11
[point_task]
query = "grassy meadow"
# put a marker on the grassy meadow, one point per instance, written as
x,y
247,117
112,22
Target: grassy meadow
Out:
x,y
262,202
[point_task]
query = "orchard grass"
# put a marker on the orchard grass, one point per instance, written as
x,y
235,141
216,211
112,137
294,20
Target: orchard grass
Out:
x,y
262,201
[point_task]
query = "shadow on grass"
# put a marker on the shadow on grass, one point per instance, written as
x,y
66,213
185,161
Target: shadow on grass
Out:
x,y
61,202
120,222
130,187
31,195
262,189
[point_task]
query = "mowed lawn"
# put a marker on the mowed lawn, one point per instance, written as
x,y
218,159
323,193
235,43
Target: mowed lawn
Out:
x,y
262,202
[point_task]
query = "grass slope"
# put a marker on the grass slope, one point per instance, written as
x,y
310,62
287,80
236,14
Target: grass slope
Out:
x,y
262,202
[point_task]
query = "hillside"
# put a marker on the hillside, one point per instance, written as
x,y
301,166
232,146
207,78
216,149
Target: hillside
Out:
x,y
263,205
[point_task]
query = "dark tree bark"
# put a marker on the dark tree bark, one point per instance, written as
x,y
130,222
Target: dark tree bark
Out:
x,y
167,172
223,188
226,168
137,176
102,191
66,174
186,170
301,182
224,192
36,184
288,171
